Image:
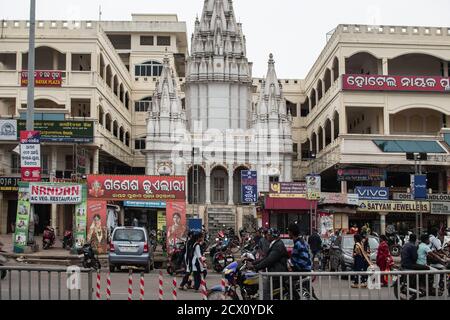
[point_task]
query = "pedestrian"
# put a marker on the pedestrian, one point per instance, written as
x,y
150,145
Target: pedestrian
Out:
x,y
354,229
135,222
315,243
198,265
263,244
300,257
360,263
384,258
187,256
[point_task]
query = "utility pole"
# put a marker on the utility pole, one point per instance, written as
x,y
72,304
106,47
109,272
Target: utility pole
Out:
x,y
31,61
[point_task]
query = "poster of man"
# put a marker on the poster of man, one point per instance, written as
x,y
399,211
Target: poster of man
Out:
x,y
97,232
175,223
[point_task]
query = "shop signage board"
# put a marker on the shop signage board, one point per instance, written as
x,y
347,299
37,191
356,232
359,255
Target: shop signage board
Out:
x,y
361,174
63,131
429,197
419,186
362,82
137,188
339,198
313,187
372,193
81,219
287,190
249,186
55,193
8,130
195,225
43,78
9,183
440,208
393,206
144,204
22,219
30,156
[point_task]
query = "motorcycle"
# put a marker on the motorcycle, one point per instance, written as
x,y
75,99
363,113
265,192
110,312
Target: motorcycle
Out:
x,y
325,257
395,244
407,289
153,239
162,240
90,258
223,256
48,238
68,239
175,264
3,261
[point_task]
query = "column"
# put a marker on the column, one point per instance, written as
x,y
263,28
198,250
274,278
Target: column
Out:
x,y
324,137
385,66
18,61
69,62
208,186
53,168
448,221
445,68
317,143
387,124
95,161
383,223
230,185
55,60
343,187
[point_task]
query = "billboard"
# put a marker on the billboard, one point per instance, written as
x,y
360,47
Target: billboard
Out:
x,y
63,131
393,206
175,223
144,204
96,225
137,188
361,174
55,193
249,186
287,190
372,193
43,78
419,186
22,219
30,156
313,187
362,82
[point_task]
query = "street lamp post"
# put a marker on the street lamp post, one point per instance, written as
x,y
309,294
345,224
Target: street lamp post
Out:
x,y
31,67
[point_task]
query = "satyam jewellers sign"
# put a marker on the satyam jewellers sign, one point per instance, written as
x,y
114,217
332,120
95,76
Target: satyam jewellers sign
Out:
x,y
55,193
394,206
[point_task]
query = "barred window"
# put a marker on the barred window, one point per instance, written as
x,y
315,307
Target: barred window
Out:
x,y
148,69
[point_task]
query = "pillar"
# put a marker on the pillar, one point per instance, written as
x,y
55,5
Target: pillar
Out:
x,y
448,221
385,66
55,60
18,61
343,187
383,223
68,61
317,142
445,68
208,187
95,161
324,138
230,185
53,168
387,124
54,217
122,216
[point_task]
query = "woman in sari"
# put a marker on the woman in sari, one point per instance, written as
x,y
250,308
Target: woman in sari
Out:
x,y
384,258
361,262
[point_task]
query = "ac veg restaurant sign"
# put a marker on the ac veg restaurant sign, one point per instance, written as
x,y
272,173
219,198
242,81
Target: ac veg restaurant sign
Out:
x,y
48,193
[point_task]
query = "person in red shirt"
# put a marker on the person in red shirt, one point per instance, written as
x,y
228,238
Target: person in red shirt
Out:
x,y
354,229
384,258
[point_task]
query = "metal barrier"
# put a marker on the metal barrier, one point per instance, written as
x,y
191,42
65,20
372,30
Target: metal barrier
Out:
x,y
367,285
44,283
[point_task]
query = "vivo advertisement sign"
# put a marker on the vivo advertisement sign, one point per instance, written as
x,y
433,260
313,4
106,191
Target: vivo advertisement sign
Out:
x,y
372,193
420,187
249,185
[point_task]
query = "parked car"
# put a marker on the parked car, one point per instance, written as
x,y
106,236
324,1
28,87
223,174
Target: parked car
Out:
x,y
341,252
130,246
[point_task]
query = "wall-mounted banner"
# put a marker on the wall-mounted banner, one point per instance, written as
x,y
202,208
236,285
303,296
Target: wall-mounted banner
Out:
x,y
81,219
120,188
195,225
97,231
326,226
176,223
393,206
55,193
339,198
161,223
8,129
313,187
419,186
440,208
372,193
43,78
362,82
144,204
63,131
249,186
287,190
430,197
22,219
30,156
361,174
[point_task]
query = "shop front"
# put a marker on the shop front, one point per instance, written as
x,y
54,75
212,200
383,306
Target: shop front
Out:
x,y
335,210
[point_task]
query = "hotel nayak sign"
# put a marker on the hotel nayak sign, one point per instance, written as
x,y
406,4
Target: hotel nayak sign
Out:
x,y
394,206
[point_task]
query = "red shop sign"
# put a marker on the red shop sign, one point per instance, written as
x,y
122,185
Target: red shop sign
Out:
x,y
362,82
121,188
42,78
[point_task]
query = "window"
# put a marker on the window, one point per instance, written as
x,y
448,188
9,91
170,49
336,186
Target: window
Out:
x,y
148,69
291,108
69,162
219,189
146,40
139,144
143,105
163,41
15,163
44,164
273,179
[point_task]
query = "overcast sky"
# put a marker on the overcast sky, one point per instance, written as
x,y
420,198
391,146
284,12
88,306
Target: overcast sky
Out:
x,y
293,30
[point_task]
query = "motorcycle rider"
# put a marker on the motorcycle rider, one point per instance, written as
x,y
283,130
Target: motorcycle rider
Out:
x,y
409,255
263,243
315,243
423,253
435,243
300,257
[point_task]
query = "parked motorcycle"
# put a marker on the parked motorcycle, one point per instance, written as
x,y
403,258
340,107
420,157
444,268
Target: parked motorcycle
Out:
x,y
68,239
90,258
48,238
3,261
153,239
175,264
223,256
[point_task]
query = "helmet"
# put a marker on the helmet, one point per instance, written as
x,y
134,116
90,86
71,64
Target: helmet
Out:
x,y
274,232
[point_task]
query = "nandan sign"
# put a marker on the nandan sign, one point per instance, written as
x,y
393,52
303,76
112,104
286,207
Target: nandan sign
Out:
x,y
52,193
393,206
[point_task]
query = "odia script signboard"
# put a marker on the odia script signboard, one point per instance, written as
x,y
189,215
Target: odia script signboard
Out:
x,y
51,193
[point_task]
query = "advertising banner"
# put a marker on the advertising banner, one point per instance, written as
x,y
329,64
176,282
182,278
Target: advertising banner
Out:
x,y
419,186
30,156
22,219
144,204
372,193
161,222
339,198
55,193
287,190
430,197
326,226
81,219
96,222
42,78
440,208
249,186
8,130
362,82
121,188
393,206
313,187
175,223
63,131
195,225
361,174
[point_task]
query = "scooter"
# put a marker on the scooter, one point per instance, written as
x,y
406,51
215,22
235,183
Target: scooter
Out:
x,y
3,261
90,259
48,238
68,239
175,264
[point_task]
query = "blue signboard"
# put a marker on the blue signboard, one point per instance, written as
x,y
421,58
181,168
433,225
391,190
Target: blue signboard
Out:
x,y
372,193
420,187
195,225
249,186
145,204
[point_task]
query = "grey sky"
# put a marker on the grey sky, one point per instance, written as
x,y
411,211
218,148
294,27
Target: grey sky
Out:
x,y
293,30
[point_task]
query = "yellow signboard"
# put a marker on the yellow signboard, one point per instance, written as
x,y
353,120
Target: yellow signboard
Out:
x,y
393,206
281,195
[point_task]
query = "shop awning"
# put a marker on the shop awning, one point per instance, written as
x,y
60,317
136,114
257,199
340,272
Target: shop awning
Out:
x,y
287,204
409,146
